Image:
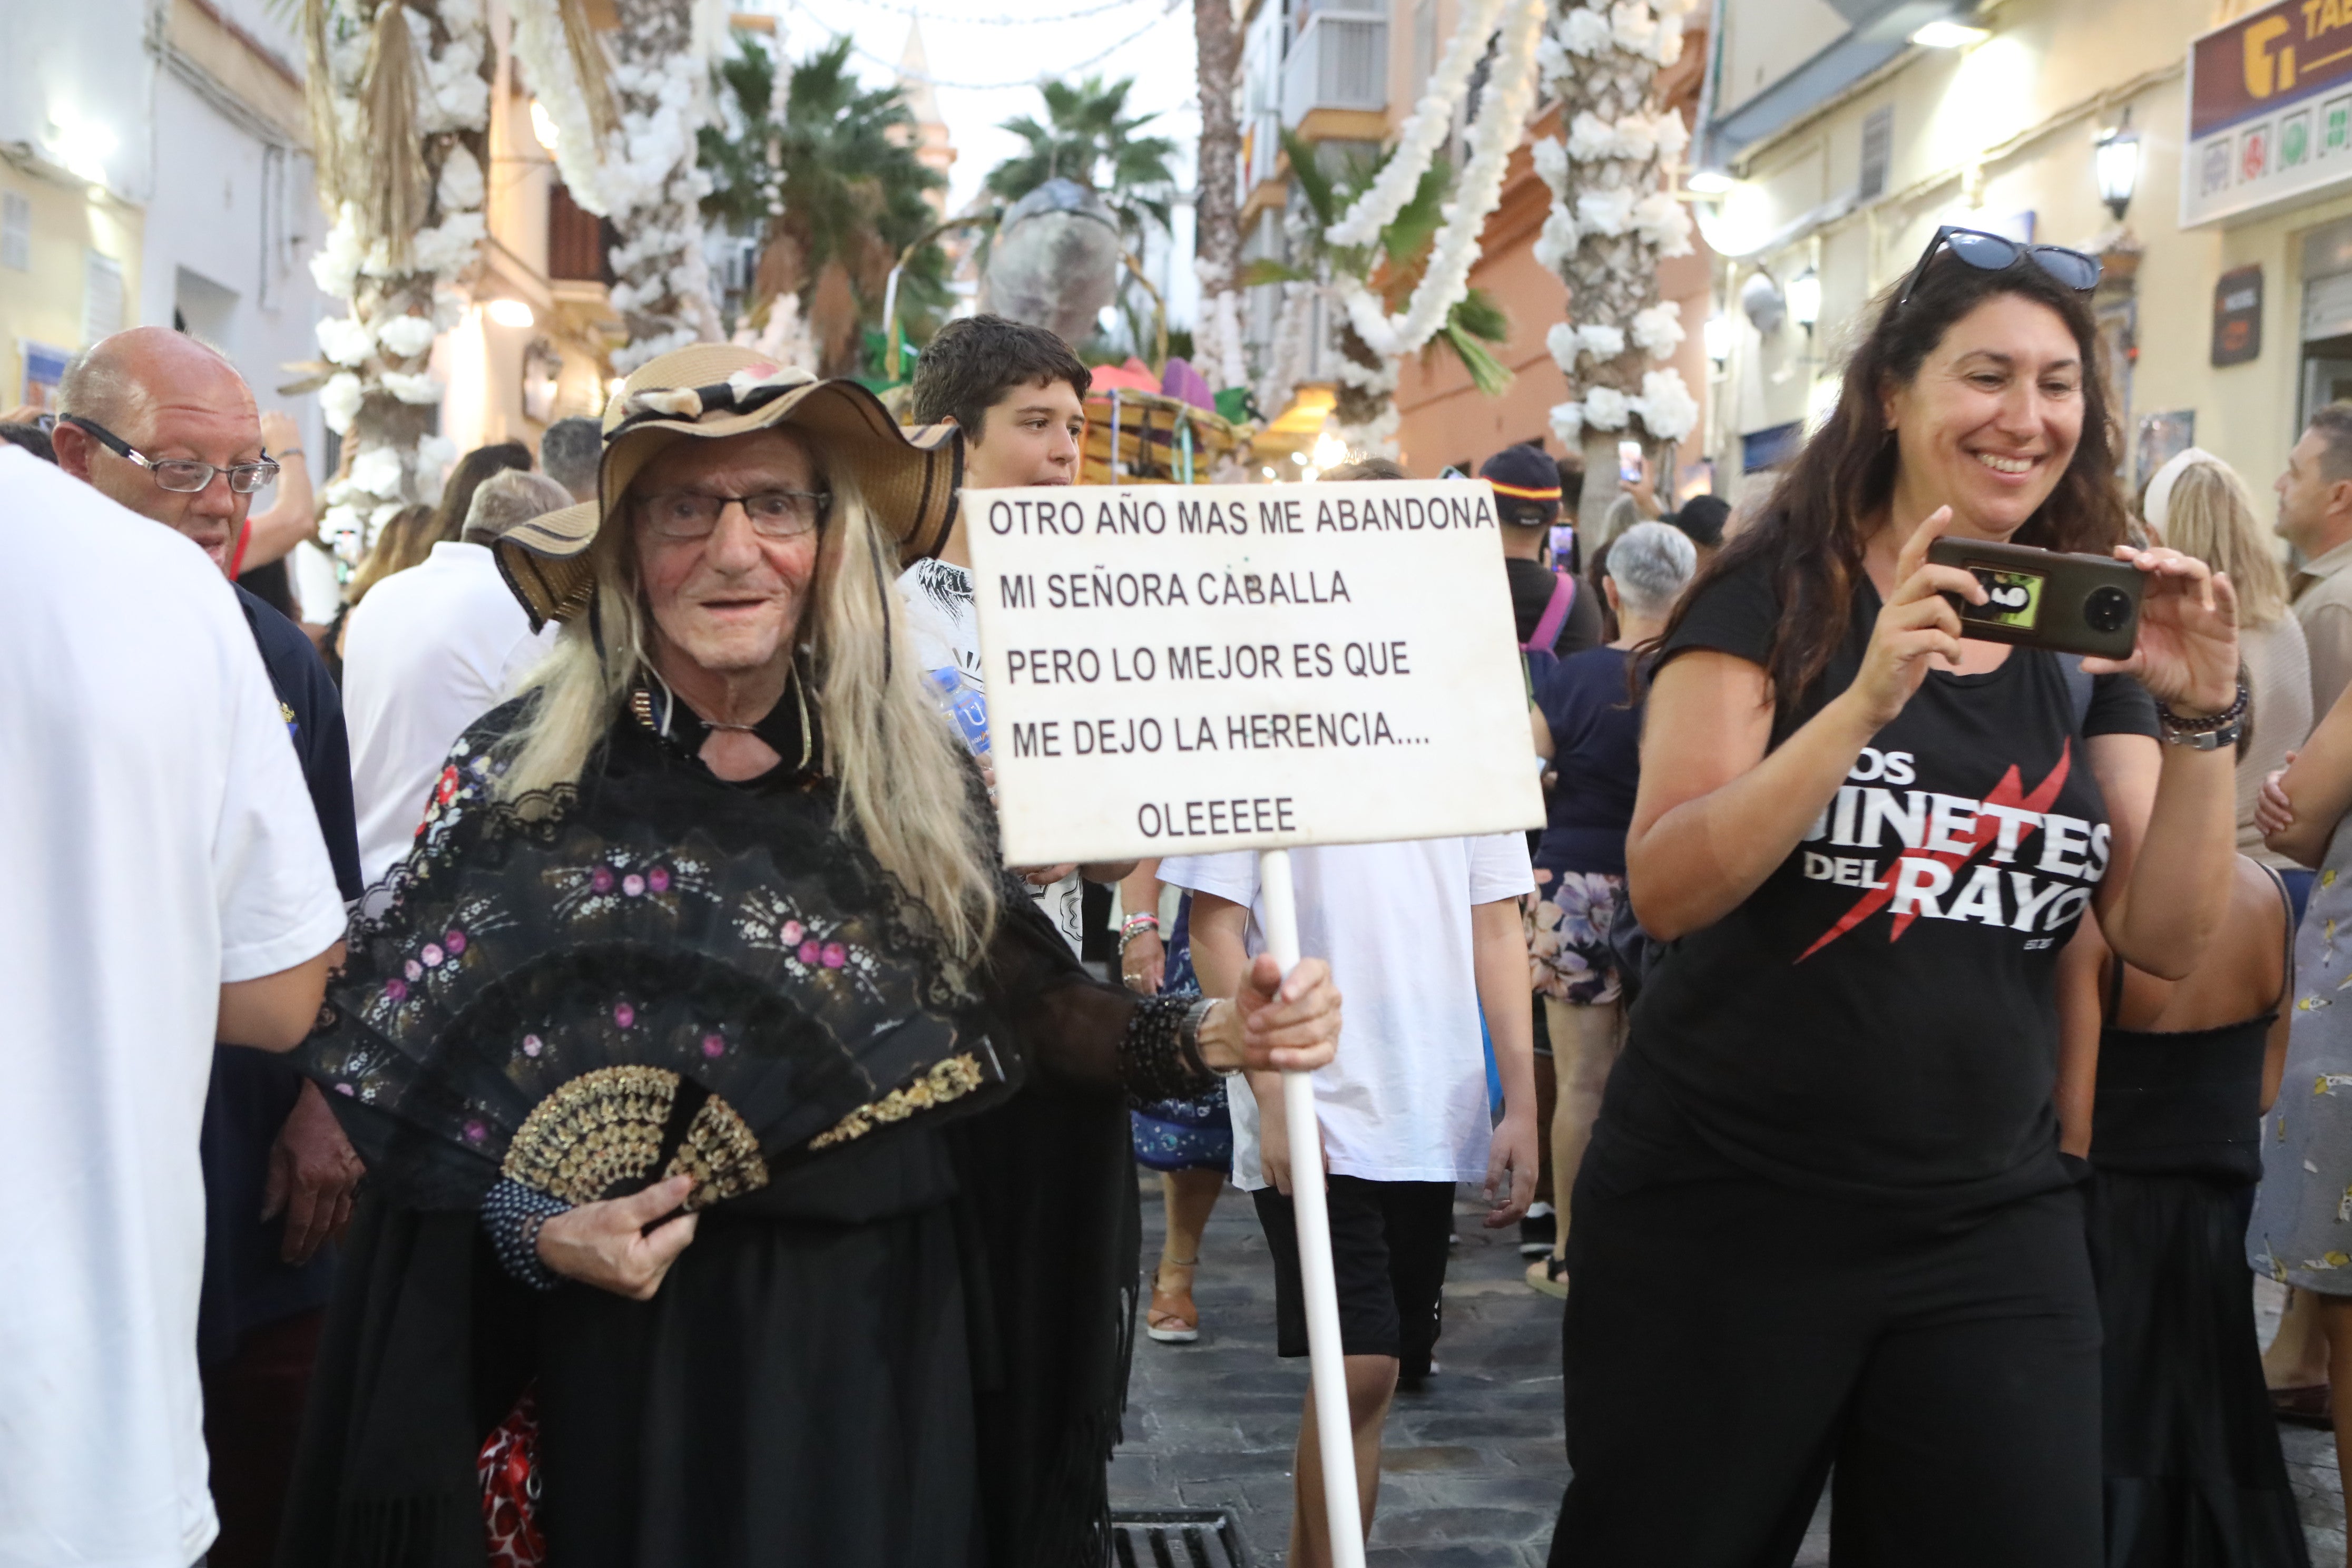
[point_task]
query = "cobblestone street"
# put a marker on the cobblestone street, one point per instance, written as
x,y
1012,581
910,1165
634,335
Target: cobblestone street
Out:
x,y
1474,1464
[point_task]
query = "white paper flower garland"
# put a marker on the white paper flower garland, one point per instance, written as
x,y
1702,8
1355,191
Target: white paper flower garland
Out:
x,y
661,75
1606,178
545,55
1424,130
381,348
1445,283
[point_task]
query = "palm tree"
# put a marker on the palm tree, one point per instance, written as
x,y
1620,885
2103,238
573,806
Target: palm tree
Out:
x,y
1088,136
1217,230
1393,265
831,188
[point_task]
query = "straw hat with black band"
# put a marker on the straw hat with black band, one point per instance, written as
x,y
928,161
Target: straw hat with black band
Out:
x,y
909,478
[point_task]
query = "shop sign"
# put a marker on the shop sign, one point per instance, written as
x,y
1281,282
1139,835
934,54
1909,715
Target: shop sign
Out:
x,y
2269,110
2238,315
45,370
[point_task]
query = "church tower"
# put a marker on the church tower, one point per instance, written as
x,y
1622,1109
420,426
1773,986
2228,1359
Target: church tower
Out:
x,y
932,147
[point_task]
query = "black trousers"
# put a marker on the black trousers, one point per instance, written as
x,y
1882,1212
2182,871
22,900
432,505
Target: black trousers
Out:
x,y
1728,1340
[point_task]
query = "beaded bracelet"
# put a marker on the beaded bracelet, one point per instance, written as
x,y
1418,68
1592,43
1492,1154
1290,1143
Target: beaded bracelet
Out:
x,y
1135,926
1160,1056
2190,726
511,1215
2209,733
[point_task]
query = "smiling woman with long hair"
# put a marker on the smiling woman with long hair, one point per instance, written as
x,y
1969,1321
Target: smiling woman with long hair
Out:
x,y
1864,840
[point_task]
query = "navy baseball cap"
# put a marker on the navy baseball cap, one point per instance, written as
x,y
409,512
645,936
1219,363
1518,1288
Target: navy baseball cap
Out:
x,y
1526,486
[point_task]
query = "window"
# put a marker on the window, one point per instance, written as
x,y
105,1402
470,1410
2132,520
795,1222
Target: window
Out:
x,y
1878,150
102,297
15,232
276,254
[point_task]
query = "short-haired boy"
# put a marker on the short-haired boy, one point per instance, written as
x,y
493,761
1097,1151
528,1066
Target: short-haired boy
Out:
x,y
1424,936
1018,393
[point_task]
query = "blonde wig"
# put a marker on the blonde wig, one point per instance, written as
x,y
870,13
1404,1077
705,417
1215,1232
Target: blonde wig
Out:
x,y
900,770
2211,515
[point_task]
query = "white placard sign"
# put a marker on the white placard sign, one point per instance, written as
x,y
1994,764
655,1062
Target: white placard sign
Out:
x,y
1180,669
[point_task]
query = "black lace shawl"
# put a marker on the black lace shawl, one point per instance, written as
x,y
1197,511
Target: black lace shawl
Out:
x,y
427,1334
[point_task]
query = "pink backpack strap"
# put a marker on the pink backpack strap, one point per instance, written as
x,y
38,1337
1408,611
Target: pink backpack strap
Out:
x,y
1555,615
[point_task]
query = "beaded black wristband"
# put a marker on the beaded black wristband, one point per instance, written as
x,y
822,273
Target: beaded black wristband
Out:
x,y
2175,724
1155,1060
511,1215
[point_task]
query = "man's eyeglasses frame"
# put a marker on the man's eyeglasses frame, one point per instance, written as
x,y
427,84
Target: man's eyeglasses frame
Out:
x,y
244,479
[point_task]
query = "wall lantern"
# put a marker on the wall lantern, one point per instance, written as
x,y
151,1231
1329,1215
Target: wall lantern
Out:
x,y
1805,298
1718,335
2115,158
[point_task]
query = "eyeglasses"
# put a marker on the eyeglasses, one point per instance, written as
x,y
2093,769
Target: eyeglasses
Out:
x,y
774,514
181,476
1992,253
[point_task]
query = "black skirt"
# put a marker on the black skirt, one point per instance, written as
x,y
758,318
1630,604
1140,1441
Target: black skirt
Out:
x,y
905,1356
2194,1476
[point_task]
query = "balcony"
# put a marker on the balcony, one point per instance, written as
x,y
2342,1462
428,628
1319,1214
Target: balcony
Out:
x,y
1338,61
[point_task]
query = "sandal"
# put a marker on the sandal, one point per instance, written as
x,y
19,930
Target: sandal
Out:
x,y
1173,1320
1548,1274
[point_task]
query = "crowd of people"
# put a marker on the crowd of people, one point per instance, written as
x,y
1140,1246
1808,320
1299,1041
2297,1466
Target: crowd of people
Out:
x,y
596,1097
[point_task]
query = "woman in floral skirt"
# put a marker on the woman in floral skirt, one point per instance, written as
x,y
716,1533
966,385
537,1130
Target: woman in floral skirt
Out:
x,y
1588,724
1189,1141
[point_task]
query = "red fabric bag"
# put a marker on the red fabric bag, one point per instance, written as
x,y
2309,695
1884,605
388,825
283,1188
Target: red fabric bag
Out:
x,y
508,1466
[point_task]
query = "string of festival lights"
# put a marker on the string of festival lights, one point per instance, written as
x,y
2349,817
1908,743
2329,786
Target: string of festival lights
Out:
x,y
1096,58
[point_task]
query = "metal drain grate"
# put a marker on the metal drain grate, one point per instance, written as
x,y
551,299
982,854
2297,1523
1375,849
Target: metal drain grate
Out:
x,y
1177,1538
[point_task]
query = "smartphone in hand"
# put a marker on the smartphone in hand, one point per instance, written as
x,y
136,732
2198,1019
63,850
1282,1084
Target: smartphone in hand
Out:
x,y
2043,598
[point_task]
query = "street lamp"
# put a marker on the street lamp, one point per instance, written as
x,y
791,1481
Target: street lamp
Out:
x,y
1718,335
1805,298
2117,159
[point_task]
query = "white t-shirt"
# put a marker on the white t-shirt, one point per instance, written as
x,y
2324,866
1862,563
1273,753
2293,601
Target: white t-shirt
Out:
x,y
938,597
427,652
1405,1099
158,841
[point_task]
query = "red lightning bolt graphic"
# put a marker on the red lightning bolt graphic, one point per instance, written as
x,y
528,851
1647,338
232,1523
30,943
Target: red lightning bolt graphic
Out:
x,y
2005,794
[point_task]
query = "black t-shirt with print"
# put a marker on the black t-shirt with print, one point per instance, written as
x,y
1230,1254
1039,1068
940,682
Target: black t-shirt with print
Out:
x,y
1879,1017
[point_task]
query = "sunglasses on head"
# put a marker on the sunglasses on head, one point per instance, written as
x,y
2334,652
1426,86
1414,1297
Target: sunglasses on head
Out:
x,y
1992,253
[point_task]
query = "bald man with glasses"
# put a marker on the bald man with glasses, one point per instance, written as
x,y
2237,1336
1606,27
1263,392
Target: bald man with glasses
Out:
x,y
164,426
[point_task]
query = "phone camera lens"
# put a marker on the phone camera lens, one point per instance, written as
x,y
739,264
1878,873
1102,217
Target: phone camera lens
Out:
x,y
2108,609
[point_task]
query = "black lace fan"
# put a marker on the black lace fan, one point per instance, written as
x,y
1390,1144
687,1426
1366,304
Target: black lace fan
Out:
x,y
588,1006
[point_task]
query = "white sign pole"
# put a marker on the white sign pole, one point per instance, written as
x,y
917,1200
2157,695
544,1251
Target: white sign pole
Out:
x,y
1188,670
1326,1361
